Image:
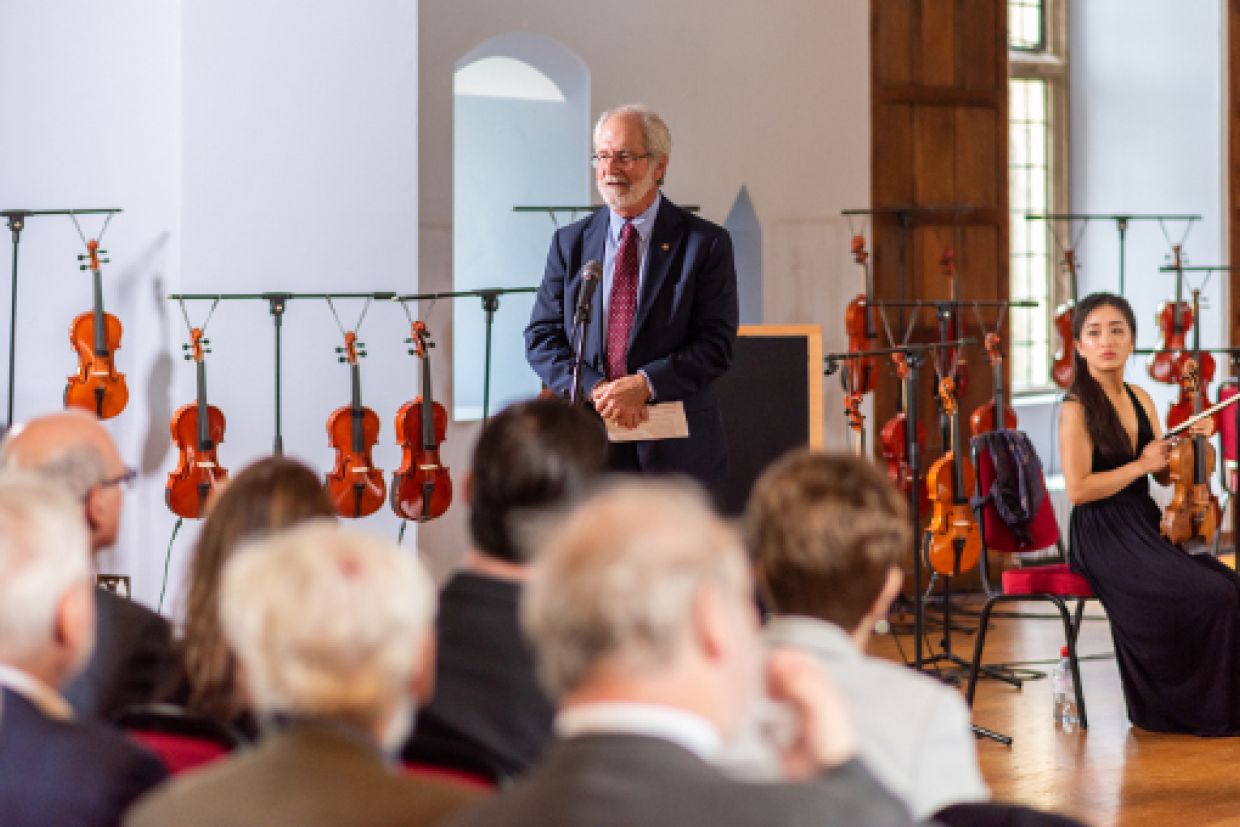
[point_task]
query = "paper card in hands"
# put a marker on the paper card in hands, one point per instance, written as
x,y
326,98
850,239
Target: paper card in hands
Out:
x,y
667,421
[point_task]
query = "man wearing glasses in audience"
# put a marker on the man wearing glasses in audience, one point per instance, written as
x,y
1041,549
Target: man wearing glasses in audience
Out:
x,y
664,316
133,649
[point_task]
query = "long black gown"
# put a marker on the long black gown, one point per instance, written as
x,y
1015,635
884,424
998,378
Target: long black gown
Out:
x,y
1175,618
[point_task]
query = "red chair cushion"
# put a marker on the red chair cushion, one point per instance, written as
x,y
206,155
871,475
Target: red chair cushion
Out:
x,y
1043,529
460,778
1227,424
179,752
1055,579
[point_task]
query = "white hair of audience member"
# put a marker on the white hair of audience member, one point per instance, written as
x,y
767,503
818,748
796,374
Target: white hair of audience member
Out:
x,y
329,622
76,468
44,554
618,580
655,134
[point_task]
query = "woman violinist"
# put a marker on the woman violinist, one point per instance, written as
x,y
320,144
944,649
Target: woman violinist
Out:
x,y
1175,618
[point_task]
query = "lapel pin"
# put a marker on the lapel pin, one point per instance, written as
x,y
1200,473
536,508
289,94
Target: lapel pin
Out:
x,y
666,246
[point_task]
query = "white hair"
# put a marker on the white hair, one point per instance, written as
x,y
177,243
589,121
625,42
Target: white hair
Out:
x,y
44,553
327,622
655,134
76,467
618,581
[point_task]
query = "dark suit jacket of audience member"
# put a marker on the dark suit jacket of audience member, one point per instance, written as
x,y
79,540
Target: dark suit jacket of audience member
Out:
x,y
133,658
629,780
305,775
66,773
486,691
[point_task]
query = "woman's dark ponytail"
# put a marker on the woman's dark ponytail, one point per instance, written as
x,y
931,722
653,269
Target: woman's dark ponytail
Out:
x,y
1101,420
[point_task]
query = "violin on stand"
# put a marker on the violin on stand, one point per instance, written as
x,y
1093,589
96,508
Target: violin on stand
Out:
x,y
954,541
894,439
355,487
1062,368
96,336
1185,406
949,326
197,428
856,421
859,323
1193,511
421,486
987,417
1174,319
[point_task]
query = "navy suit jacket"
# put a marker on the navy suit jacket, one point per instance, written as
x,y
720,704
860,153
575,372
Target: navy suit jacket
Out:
x,y
682,335
62,772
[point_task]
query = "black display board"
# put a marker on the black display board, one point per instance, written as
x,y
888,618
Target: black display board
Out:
x,y
771,400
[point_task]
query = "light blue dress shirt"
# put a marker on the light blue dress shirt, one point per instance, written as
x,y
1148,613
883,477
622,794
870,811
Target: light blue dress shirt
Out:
x,y
644,224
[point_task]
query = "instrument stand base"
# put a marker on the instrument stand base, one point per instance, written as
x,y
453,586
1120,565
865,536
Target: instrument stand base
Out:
x,y
956,675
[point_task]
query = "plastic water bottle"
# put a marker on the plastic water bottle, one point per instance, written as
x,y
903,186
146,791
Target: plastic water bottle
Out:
x,y
1063,691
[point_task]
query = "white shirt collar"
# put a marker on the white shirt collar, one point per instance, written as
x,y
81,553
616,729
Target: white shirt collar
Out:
x,y
824,639
48,701
684,729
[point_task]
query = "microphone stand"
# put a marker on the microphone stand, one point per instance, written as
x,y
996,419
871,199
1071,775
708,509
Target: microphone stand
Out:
x,y
581,323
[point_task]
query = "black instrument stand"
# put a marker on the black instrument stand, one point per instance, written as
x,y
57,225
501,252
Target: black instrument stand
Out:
x,y
1121,226
581,323
490,303
278,304
16,220
914,355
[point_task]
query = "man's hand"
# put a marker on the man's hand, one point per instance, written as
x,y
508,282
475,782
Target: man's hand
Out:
x,y
824,736
622,401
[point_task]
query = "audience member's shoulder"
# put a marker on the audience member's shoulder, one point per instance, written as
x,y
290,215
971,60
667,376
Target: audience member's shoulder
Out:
x,y
441,798
131,611
109,771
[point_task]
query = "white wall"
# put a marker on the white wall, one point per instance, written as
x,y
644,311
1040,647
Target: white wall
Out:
x,y
771,96
1147,136
254,147
91,118
300,175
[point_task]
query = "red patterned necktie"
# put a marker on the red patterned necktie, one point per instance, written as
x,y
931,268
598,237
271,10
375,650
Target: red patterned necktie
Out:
x,y
623,304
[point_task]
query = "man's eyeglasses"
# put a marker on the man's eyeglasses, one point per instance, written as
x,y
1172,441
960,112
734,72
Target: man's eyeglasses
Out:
x,y
124,479
619,159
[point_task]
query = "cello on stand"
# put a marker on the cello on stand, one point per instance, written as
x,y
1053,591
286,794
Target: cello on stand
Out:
x,y
421,486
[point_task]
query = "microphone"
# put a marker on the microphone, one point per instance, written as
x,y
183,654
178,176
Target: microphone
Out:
x,y
591,275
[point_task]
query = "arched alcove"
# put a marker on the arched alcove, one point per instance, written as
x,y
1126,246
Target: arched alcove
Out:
x,y
521,123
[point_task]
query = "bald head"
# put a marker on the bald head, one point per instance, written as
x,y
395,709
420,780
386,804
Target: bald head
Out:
x,y
74,452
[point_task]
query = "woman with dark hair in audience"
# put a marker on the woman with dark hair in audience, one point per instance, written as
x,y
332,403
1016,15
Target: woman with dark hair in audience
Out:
x,y
264,497
1175,618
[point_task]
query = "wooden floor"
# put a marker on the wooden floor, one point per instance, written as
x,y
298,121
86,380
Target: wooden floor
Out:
x,y
1112,774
